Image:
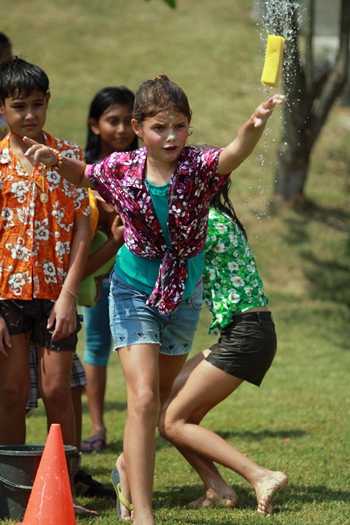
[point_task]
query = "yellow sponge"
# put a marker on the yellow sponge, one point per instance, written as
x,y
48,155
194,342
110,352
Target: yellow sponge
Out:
x,y
273,61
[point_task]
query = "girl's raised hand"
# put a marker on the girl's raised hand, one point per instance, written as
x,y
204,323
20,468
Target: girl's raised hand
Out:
x,y
264,111
39,152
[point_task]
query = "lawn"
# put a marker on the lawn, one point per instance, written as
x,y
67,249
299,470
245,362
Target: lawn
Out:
x,y
298,421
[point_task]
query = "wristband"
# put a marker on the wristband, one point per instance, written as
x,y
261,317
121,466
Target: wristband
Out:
x,y
58,161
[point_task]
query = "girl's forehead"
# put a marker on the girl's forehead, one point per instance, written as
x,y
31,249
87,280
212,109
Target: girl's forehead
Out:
x,y
169,114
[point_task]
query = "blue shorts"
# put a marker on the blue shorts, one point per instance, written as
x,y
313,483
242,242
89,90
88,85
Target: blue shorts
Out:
x,y
132,322
98,337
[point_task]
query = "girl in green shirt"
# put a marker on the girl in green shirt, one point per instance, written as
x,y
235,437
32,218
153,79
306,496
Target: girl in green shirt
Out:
x,y
234,293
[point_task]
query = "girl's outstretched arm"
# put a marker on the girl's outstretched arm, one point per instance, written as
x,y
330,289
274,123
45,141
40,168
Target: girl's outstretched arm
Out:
x,y
248,136
73,170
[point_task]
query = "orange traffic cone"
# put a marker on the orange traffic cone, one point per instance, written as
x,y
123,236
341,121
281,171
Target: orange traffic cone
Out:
x,y
50,501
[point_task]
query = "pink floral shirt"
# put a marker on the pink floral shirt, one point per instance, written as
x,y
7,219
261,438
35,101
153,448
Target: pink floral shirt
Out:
x,y
120,180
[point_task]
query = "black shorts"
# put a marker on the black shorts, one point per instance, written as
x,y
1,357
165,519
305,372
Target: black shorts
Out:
x,y
31,316
246,347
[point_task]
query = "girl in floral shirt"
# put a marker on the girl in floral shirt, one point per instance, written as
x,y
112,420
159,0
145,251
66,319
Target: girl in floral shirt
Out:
x,y
234,294
163,192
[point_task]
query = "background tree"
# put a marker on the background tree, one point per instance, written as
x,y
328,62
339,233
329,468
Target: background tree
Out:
x,y
311,95
312,90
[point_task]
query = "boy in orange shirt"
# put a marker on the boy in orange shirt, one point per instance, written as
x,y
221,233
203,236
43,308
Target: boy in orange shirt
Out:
x,y
44,245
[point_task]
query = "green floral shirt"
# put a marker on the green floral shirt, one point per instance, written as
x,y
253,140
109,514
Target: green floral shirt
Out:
x,y
231,280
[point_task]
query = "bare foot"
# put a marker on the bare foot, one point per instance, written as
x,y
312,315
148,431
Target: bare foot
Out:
x,y
125,490
267,488
215,498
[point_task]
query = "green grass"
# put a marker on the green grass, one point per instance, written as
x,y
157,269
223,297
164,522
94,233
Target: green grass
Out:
x,y
298,421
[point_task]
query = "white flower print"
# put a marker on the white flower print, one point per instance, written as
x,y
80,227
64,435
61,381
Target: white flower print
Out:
x,y
237,281
41,230
234,297
212,274
16,282
219,248
18,251
251,267
49,269
222,228
20,189
62,248
7,216
233,266
219,318
24,214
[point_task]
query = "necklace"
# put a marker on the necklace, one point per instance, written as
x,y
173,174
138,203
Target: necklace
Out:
x,y
44,198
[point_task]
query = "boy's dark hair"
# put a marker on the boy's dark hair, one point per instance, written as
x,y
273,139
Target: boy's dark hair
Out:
x,y
4,44
105,98
19,79
158,95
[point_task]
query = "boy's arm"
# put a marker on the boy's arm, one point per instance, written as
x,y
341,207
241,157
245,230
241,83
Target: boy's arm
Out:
x,y
247,137
73,170
63,314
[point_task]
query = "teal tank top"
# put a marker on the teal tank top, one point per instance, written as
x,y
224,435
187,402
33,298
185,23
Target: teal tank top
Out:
x,y
142,273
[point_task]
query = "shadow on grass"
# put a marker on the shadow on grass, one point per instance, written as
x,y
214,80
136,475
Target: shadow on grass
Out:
x,y
328,277
175,499
263,434
293,498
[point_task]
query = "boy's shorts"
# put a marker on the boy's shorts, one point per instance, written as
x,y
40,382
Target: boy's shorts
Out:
x,y
31,316
78,377
246,347
132,322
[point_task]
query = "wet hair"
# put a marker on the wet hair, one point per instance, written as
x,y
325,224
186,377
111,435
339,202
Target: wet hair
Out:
x,y
158,95
221,200
5,44
104,99
20,79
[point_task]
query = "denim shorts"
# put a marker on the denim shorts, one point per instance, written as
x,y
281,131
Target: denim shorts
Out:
x,y
132,322
246,347
31,316
98,337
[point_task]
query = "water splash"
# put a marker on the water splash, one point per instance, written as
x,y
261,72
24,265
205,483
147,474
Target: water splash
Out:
x,y
278,17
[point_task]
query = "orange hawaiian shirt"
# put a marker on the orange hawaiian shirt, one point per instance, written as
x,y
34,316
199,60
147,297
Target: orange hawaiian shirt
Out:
x,y
36,236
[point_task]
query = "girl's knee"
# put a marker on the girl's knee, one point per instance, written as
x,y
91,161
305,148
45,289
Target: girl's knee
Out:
x,y
144,405
169,430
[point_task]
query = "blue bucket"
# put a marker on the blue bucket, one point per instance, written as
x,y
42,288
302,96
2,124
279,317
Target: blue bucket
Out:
x,y
18,468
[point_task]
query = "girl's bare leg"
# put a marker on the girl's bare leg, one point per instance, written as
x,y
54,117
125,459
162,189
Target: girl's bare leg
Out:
x,y
140,367
205,387
136,465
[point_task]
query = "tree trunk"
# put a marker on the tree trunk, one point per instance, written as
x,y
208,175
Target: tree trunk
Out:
x,y
310,98
291,171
